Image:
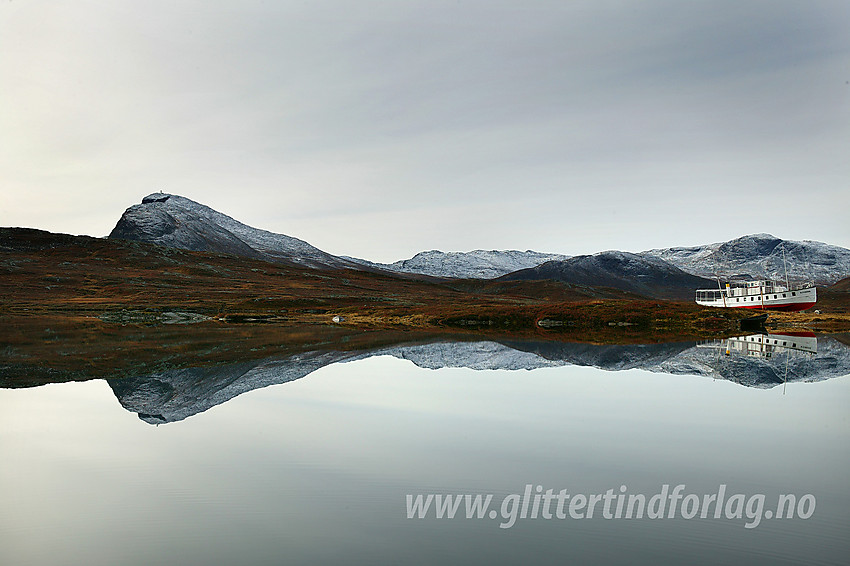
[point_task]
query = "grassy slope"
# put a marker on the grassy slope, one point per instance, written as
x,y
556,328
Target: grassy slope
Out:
x,y
831,313
835,298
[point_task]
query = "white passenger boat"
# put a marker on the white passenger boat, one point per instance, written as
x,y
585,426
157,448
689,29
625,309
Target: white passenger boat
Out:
x,y
759,295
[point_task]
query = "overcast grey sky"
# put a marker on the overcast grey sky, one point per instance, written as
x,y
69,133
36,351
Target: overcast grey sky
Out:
x,y
380,129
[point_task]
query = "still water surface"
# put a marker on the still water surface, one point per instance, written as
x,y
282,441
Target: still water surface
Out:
x,y
316,470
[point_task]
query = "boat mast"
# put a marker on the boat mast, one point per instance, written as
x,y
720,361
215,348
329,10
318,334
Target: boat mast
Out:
x,y
722,295
784,263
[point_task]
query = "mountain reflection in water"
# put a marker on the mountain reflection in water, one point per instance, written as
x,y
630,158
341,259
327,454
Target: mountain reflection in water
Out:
x,y
760,361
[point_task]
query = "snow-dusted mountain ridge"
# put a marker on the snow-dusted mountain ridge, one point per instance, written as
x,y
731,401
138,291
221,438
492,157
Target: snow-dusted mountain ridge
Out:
x,y
477,264
175,221
178,222
759,256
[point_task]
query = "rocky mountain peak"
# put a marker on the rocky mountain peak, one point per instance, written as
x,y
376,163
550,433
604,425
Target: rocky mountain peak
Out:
x,y
178,222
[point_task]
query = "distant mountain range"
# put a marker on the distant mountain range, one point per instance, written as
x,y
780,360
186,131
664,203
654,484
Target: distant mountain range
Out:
x,y
175,221
758,256
477,264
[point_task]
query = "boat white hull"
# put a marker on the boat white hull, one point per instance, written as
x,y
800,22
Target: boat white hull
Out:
x,y
796,300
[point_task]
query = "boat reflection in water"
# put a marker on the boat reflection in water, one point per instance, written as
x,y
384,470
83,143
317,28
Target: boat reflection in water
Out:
x,y
768,345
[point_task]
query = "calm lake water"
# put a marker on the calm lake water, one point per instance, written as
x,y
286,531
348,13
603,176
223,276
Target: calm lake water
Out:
x,y
311,459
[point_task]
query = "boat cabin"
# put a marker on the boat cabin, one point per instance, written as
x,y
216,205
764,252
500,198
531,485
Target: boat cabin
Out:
x,y
748,288
741,289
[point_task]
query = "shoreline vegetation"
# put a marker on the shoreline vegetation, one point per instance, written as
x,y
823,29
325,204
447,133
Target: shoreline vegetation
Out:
x,y
92,288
